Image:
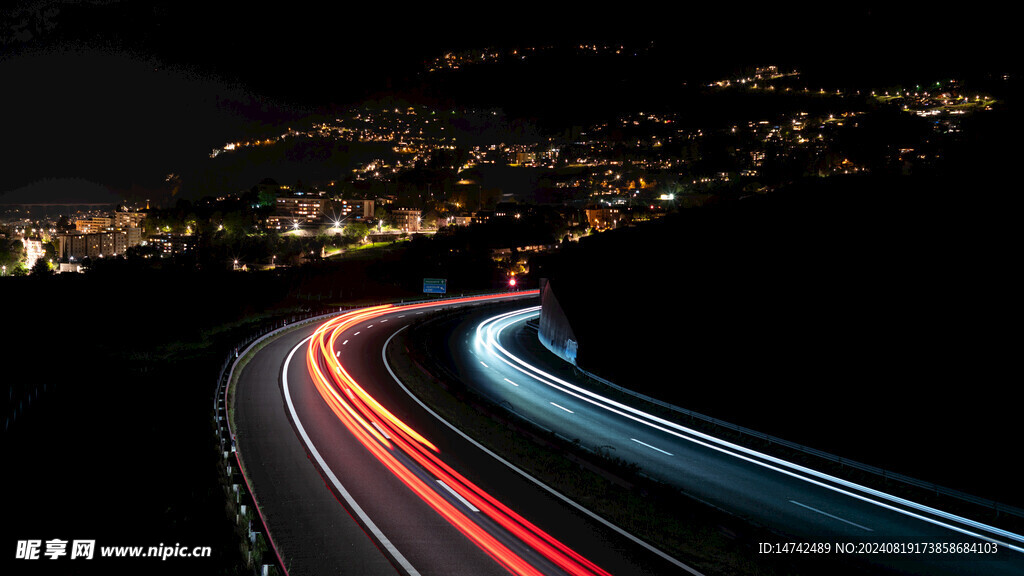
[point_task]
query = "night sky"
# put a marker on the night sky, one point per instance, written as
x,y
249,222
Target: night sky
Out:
x,y
104,99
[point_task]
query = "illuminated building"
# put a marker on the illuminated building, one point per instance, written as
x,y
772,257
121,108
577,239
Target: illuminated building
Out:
x,y
172,244
602,218
128,219
406,219
33,250
93,225
359,209
300,211
78,245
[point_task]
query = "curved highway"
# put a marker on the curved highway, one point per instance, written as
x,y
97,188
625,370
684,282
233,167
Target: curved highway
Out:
x,y
353,476
808,508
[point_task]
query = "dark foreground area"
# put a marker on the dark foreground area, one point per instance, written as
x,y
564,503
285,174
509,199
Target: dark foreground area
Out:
x,y
109,432
123,456
109,417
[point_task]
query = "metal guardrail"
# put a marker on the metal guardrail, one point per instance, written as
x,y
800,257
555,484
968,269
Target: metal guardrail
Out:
x,y
220,400
227,368
220,407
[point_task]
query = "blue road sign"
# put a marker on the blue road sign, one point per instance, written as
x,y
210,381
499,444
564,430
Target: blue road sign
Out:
x,y
434,285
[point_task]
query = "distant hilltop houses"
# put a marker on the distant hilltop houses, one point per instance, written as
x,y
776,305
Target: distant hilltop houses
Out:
x,y
436,169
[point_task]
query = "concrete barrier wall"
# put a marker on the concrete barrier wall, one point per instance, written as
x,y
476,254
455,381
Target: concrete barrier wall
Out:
x,y
556,333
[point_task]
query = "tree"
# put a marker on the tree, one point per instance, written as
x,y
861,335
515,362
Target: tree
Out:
x,y
356,232
41,268
266,197
11,253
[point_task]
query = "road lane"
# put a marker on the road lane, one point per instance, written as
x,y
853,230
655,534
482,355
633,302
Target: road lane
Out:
x,y
752,487
306,521
297,486
554,515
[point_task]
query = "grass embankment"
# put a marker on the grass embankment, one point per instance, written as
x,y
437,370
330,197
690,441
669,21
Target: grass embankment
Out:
x,y
367,251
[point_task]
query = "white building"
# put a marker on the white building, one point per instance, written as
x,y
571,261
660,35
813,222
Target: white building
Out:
x,y
34,250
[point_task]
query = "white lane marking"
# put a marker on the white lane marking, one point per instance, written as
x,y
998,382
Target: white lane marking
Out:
x,y
485,365
357,333
458,496
387,544
831,516
345,342
370,326
562,407
651,447
754,457
511,382
568,501
337,353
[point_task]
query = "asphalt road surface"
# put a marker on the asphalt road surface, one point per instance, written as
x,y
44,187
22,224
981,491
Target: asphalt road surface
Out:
x,y
332,506
810,509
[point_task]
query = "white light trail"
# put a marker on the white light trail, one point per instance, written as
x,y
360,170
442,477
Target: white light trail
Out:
x,y
487,341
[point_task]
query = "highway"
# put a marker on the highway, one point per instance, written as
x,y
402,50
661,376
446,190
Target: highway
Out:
x,y
353,476
806,507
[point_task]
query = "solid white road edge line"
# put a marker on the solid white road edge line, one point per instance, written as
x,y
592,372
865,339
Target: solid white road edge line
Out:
x,y
779,465
522,473
392,550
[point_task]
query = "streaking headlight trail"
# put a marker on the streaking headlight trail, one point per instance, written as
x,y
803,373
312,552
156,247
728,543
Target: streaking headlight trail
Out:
x,y
414,460
487,345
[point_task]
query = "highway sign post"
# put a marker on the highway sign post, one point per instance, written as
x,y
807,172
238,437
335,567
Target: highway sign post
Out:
x,y
435,285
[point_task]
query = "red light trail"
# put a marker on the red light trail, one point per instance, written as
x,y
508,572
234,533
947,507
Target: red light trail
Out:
x,y
386,436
